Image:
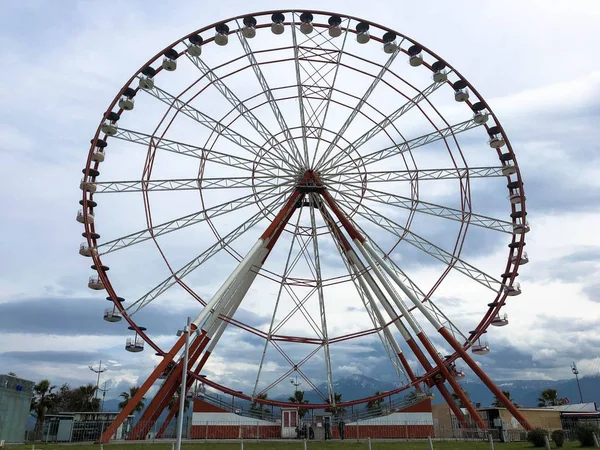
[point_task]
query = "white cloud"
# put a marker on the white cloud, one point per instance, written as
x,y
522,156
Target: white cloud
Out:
x,y
545,92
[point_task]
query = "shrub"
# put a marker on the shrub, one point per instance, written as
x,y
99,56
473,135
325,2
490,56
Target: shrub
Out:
x,y
558,436
585,434
536,437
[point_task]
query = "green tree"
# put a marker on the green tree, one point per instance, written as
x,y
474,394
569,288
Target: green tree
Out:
x,y
459,401
126,396
43,401
174,403
374,406
12,374
336,410
549,397
498,404
298,398
82,399
258,409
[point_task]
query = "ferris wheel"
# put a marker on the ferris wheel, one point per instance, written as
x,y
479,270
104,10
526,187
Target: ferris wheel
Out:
x,y
313,185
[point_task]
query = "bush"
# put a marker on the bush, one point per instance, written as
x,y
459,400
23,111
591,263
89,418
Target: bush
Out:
x,y
558,436
536,437
585,434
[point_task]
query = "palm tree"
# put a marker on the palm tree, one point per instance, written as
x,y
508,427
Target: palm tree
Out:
x,y
549,397
498,404
174,401
298,398
336,410
374,406
126,396
42,402
259,409
83,399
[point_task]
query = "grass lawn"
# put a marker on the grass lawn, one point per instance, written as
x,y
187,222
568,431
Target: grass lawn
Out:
x,y
293,445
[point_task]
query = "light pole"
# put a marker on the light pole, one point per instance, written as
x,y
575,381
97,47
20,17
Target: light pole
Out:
x,y
185,331
576,373
296,384
99,371
104,391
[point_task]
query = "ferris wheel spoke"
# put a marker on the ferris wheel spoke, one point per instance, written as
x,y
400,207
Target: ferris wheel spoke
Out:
x,y
184,221
206,255
428,247
432,209
239,105
193,151
319,282
415,175
317,65
294,153
289,266
395,150
191,184
381,126
386,337
414,288
357,108
214,125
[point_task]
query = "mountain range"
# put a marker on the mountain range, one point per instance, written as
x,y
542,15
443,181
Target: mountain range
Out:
x,y
523,392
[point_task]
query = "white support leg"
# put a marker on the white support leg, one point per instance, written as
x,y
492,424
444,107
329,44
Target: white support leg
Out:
x,y
428,314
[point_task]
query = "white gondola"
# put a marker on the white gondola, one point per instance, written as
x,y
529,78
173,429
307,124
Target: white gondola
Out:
x,y
112,315
109,128
335,29
515,197
480,348
134,345
86,250
87,186
222,34
440,76
362,33
98,155
81,218
521,228
277,26
389,43
126,103
524,258
514,290
249,32
500,320
194,50
459,374
95,283
509,169
169,64
496,141
306,26
461,95
416,60
146,82
481,117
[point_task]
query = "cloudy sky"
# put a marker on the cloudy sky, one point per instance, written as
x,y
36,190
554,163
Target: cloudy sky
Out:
x,y
534,64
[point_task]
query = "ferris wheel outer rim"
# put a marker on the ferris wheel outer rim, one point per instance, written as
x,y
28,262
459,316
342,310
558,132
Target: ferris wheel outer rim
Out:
x,y
502,294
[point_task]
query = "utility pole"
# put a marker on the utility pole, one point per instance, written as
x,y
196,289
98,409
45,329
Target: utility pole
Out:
x,y
104,391
576,373
99,371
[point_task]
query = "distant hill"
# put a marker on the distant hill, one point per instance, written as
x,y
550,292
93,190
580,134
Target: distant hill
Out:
x,y
524,392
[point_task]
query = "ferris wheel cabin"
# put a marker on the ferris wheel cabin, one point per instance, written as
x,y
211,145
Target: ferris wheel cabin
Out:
x,y
480,348
500,320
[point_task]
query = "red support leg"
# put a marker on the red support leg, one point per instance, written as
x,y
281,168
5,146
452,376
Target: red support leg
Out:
x,y
133,401
455,386
485,379
175,408
439,384
164,394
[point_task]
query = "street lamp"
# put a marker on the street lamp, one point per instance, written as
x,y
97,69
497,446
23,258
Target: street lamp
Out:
x,y
576,373
185,331
104,391
99,371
